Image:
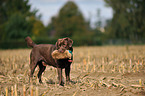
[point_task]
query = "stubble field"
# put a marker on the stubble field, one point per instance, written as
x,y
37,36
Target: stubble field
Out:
x,y
95,71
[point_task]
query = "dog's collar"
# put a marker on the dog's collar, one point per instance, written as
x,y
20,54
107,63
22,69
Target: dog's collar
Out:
x,y
70,52
70,60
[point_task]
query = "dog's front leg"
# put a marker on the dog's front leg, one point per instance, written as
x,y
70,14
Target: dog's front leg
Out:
x,y
60,76
67,74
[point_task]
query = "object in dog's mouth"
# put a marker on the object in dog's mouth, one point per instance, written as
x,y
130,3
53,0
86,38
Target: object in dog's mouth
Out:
x,y
57,55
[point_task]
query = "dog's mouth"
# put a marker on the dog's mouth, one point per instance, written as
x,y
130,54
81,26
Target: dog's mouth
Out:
x,y
70,60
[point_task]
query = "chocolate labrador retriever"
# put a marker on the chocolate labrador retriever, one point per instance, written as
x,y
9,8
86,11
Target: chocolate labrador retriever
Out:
x,y
41,56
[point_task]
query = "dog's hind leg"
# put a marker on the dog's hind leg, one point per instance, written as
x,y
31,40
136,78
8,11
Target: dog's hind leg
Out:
x,y
33,65
41,70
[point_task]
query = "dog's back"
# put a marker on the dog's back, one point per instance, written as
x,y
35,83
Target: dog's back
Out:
x,y
41,52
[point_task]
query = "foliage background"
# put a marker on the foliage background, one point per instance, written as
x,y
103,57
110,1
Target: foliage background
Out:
x,y
126,27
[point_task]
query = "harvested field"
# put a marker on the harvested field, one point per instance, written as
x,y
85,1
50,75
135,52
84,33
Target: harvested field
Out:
x,y
96,71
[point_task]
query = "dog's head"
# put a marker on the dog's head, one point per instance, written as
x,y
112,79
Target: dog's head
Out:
x,y
64,44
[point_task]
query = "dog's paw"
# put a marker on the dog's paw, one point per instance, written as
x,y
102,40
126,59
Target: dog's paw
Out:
x,y
61,84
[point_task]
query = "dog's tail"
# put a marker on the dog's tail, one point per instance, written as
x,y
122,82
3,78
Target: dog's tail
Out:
x,y
29,41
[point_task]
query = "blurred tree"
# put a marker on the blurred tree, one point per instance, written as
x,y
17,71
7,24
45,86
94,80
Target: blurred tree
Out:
x,y
69,22
15,18
98,23
17,27
128,19
38,29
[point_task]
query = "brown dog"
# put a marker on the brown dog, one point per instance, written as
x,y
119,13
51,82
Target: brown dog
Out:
x,y
41,56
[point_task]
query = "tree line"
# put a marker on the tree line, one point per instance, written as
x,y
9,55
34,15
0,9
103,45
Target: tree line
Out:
x,y
128,20
17,21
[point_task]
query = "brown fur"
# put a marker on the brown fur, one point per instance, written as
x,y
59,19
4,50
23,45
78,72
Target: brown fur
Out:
x,y
41,56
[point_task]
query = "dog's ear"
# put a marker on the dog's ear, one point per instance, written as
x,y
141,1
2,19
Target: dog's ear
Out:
x,y
70,42
58,43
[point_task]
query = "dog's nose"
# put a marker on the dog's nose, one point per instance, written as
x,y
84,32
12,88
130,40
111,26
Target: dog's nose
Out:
x,y
61,51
